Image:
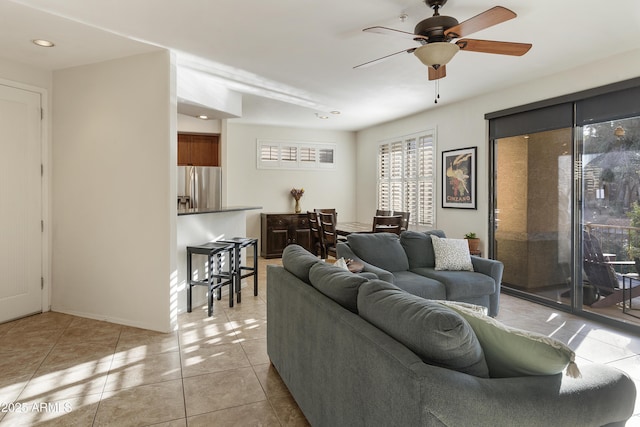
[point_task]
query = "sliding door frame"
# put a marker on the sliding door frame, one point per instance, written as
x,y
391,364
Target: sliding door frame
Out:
x,y
614,101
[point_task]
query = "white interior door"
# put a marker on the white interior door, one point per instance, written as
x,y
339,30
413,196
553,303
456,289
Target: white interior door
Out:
x,y
20,203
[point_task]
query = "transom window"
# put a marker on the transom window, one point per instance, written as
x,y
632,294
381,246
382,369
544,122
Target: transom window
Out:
x,y
295,155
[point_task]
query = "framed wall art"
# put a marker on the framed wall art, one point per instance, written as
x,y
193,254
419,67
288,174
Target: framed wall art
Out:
x,y
459,178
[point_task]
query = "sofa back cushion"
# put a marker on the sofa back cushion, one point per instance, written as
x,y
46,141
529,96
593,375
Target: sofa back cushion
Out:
x,y
418,248
337,283
298,261
437,334
380,249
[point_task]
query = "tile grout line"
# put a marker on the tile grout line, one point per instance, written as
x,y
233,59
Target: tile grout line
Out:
x,y
184,394
48,353
104,386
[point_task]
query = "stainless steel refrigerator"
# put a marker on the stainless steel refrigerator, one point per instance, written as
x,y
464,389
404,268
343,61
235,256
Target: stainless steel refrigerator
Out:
x,y
199,187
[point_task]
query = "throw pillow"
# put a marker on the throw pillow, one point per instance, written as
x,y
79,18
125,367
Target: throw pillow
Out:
x,y
473,307
337,283
340,262
436,334
512,352
380,249
451,254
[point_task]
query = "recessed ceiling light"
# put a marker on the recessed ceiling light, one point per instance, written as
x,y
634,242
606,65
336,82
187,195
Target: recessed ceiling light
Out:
x,y
203,117
43,43
335,112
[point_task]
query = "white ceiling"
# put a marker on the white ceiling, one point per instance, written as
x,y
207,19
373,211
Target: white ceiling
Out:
x,y
292,59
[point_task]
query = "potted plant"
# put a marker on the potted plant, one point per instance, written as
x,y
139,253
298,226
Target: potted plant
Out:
x,y
473,241
633,249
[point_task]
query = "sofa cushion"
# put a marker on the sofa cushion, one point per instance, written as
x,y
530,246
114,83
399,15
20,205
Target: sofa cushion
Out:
x,y
512,352
451,254
297,261
337,283
460,284
380,249
437,334
419,285
417,245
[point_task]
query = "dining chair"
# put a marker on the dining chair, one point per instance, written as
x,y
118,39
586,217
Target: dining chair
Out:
x,y
328,210
383,212
405,219
387,224
329,234
316,234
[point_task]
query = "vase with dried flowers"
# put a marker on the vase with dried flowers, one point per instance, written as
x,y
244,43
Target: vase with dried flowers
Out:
x,y
297,194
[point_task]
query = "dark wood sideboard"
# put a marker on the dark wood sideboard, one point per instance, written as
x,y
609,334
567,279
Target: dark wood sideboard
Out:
x,y
281,229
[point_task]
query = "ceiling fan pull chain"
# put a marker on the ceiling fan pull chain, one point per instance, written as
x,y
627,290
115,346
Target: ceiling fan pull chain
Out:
x,y
437,91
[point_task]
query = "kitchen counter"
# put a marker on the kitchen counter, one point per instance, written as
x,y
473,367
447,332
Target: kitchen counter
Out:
x,y
197,211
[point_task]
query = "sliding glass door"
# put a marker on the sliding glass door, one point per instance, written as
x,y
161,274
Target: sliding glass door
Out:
x,y
533,198
565,202
611,217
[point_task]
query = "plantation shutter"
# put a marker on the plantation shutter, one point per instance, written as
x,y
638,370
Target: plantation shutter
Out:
x,y
405,177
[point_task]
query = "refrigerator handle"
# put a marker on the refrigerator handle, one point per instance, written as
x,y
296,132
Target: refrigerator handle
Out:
x,y
195,200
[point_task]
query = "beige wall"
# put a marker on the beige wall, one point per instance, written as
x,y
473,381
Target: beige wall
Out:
x,y
247,185
25,74
114,209
193,124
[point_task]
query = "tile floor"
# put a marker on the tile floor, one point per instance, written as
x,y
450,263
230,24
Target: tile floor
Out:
x,y
57,369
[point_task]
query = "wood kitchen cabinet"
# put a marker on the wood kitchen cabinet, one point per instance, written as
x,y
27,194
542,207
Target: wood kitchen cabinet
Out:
x,y
198,149
280,230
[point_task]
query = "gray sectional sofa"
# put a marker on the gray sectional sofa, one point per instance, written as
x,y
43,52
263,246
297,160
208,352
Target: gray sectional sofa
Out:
x,y
344,371
408,261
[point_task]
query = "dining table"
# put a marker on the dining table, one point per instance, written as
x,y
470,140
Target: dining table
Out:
x,y
346,228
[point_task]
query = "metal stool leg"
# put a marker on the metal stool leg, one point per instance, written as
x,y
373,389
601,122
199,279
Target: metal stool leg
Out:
x,y
255,268
231,274
238,275
189,278
210,286
218,272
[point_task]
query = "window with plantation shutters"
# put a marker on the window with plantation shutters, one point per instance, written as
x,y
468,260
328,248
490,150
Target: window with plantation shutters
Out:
x,y
268,153
295,155
406,177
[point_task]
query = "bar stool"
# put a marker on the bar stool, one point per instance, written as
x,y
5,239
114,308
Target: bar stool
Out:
x,y
239,244
215,278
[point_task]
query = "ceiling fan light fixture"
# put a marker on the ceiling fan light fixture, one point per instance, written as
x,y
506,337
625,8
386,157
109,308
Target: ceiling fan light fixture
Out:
x,y
437,53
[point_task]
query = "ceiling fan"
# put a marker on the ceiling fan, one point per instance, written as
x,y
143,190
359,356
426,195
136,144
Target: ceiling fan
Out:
x,y
436,33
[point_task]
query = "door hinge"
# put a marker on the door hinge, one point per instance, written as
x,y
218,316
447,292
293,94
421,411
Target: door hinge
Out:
x,y
41,169
42,225
42,114
41,282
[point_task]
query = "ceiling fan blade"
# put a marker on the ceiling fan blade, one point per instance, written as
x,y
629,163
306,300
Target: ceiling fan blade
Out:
x,y
393,32
437,74
491,46
384,58
486,19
